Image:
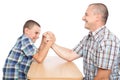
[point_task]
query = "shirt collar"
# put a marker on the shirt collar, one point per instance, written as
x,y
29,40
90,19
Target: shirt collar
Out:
x,y
93,33
96,33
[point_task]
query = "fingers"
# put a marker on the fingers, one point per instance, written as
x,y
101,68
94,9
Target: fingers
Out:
x,y
49,34
49,37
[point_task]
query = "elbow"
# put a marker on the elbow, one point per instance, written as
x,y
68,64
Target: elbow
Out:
x,y
38,59
69,59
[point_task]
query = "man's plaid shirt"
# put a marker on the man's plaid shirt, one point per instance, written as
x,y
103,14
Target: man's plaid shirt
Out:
x,y
100,50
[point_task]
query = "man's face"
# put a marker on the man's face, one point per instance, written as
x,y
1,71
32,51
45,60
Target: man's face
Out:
x,y
89,18
33,33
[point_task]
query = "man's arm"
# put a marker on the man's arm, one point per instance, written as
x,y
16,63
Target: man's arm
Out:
x,y
47,40
103,74
65,53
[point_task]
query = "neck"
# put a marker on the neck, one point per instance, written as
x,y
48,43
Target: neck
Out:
x,y
96,27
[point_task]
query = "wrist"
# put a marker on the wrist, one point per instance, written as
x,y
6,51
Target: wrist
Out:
x,y
53,46
43,45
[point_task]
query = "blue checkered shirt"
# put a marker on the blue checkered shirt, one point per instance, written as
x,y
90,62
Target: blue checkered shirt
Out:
x,y
19,59
100,50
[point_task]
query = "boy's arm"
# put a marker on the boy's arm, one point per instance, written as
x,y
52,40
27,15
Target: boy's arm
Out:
x,y
48,39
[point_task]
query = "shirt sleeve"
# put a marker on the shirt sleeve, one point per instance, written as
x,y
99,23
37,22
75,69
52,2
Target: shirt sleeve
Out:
x,y
107,54
28,47
79,47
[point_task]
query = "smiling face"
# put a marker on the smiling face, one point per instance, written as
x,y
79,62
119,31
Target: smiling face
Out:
x,y
95,16
33,33
90,18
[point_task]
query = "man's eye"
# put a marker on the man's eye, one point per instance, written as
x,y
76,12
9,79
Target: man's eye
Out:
x,y
36,33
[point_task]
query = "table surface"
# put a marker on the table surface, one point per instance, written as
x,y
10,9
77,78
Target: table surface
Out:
x,y
54,68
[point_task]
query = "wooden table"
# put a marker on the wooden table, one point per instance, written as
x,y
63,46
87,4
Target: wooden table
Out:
x,y
54,68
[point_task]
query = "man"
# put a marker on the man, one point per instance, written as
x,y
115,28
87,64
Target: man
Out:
x,y
99,48
24,51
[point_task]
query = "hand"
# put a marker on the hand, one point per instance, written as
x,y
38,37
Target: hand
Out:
x,y
48,38
100,78
102,74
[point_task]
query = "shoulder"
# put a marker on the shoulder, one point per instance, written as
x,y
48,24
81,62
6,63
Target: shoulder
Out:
x,y
24,40
106,37
110,35
109,39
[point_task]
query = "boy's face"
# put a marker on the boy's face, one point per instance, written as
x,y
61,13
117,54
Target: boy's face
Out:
x,y
33,33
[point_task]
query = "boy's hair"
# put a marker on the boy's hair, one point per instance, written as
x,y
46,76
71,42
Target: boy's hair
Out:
x,y
29,24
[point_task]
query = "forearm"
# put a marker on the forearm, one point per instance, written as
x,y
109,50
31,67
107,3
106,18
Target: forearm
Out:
x,y
64,53
103,74
41,53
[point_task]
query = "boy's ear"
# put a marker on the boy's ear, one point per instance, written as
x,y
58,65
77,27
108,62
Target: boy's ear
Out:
x,y
26,31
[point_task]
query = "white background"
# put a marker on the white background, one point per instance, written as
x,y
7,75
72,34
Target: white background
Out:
x,y
62,17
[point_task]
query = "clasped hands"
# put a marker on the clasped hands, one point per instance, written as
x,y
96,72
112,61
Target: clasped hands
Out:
x,y
48,38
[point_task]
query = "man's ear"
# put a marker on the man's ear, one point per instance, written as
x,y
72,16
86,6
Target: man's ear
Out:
x,y
98,17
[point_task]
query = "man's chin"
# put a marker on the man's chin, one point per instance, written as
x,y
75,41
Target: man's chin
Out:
x,y
86,27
